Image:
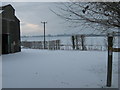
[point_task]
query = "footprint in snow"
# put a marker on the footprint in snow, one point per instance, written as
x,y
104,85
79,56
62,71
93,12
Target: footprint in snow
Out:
x,y
66,83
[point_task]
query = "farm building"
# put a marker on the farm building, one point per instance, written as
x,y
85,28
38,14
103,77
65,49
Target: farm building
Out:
x,y
10,30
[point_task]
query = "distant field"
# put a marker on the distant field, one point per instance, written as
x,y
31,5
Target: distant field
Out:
x,y
97,42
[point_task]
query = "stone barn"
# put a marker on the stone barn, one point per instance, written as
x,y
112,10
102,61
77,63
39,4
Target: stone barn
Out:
x,y
10,30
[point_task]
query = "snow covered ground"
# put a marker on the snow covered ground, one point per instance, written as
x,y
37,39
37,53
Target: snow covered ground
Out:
x,y
57,69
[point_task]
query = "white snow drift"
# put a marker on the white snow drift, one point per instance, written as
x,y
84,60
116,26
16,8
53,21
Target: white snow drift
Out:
x,y
57,69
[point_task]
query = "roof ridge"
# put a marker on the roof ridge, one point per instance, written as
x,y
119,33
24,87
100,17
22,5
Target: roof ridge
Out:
x,y
2,7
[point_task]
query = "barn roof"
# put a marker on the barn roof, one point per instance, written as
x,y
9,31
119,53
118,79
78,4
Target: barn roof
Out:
x,y
3,7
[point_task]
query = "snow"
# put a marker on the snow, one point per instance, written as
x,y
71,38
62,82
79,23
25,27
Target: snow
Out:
x,y
34,68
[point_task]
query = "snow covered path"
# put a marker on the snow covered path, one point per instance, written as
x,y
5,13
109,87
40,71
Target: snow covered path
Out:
x,y
57,69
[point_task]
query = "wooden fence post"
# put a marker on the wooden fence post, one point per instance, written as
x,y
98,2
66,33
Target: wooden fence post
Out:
x,y
73,42
58,44
83,42
109,67
76,37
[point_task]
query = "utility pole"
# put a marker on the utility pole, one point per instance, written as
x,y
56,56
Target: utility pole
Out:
x,y
44,33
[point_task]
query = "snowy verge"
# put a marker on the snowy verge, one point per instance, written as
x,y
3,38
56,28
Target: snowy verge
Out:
x,y
57,69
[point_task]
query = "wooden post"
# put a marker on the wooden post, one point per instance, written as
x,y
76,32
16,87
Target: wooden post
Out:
x,y
77,42
55,44
73,42
58,41
83,42
109,67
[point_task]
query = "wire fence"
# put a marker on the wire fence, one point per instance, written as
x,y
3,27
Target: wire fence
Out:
x,y
66,43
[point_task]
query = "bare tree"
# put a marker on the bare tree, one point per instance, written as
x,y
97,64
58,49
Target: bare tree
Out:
x,y
100,15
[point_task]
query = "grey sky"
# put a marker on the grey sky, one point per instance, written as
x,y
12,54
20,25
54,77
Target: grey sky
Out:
x,y
32,13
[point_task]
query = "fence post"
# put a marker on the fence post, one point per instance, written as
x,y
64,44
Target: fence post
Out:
x,y
83,42
109,67
77,42
58,43
55,44
73,42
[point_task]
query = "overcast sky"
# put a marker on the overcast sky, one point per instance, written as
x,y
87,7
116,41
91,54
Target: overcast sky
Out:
x,y
32,13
